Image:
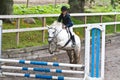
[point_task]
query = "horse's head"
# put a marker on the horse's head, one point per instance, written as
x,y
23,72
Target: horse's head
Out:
x,y
53,29
51,34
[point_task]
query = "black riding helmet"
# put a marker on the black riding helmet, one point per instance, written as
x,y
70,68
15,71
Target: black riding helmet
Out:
x,y
64,8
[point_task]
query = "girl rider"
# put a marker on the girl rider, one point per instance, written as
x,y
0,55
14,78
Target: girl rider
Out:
x,y
67,22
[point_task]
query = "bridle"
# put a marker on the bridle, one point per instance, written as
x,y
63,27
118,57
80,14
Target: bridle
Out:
x,y
55,35
54,38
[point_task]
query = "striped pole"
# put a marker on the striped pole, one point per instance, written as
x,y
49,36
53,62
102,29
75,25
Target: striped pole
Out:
x,y
43,63
42,69
39,76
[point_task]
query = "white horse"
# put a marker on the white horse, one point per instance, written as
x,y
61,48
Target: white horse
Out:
x,y
58,38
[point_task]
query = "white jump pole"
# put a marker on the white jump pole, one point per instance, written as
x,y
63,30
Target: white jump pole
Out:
x,y
39,76
42,69
56,64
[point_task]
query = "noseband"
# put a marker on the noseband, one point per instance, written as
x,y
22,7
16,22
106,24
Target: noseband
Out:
x,y
54,34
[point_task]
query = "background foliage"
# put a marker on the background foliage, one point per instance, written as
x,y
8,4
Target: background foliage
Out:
x,y
45,9
28,39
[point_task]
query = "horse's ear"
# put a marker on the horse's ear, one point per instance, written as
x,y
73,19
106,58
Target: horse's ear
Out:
x,y
55,21
48,26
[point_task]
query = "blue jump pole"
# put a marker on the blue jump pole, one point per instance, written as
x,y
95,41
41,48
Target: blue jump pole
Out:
x,y
95,53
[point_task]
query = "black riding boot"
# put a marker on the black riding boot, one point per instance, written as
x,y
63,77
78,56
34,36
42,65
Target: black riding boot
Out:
x,y
73,40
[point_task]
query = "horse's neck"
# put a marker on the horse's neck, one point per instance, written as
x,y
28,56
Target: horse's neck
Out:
x,y
63,35
58,28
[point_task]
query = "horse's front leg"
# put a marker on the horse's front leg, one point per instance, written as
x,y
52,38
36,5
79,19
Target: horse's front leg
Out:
x,y
76,56
71,57
60,43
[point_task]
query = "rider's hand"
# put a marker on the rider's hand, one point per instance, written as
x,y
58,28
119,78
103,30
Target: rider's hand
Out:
x,y
65,27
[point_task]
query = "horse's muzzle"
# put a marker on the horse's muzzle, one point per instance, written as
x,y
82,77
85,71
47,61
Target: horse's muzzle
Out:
x,y
49,42
50,39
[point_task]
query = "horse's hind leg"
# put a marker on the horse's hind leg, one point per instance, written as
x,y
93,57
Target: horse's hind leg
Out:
x,y
76,56
71,57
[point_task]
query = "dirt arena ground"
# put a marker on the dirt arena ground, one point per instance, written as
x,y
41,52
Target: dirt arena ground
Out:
x,y
112,61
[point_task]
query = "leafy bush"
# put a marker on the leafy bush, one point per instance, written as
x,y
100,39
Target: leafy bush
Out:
x,y
103,9
45,9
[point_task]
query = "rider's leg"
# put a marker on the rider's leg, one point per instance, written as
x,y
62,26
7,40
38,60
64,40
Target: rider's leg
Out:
x,y
72,35
73,39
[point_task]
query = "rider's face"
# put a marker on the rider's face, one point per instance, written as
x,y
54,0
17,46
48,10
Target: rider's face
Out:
x,y
64,12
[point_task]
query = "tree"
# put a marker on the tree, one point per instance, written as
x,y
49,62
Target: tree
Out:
x,y
77,6
115,3
6,7
27,4
92,2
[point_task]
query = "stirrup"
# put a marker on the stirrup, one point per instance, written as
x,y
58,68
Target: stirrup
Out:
x,y
73,45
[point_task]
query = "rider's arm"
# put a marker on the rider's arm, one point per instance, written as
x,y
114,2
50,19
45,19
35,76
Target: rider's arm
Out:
x,y
59,18
70,23
63,26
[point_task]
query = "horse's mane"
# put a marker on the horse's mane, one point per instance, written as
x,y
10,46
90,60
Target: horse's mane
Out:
x,y
56,24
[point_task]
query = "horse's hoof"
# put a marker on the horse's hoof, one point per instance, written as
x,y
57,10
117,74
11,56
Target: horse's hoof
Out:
x,y
76,69
51,53
71,68
82,68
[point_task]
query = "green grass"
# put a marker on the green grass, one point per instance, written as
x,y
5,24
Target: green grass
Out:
x,y
27,39
34,38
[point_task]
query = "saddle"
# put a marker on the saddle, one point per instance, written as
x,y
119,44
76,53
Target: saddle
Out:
x,y
70,39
